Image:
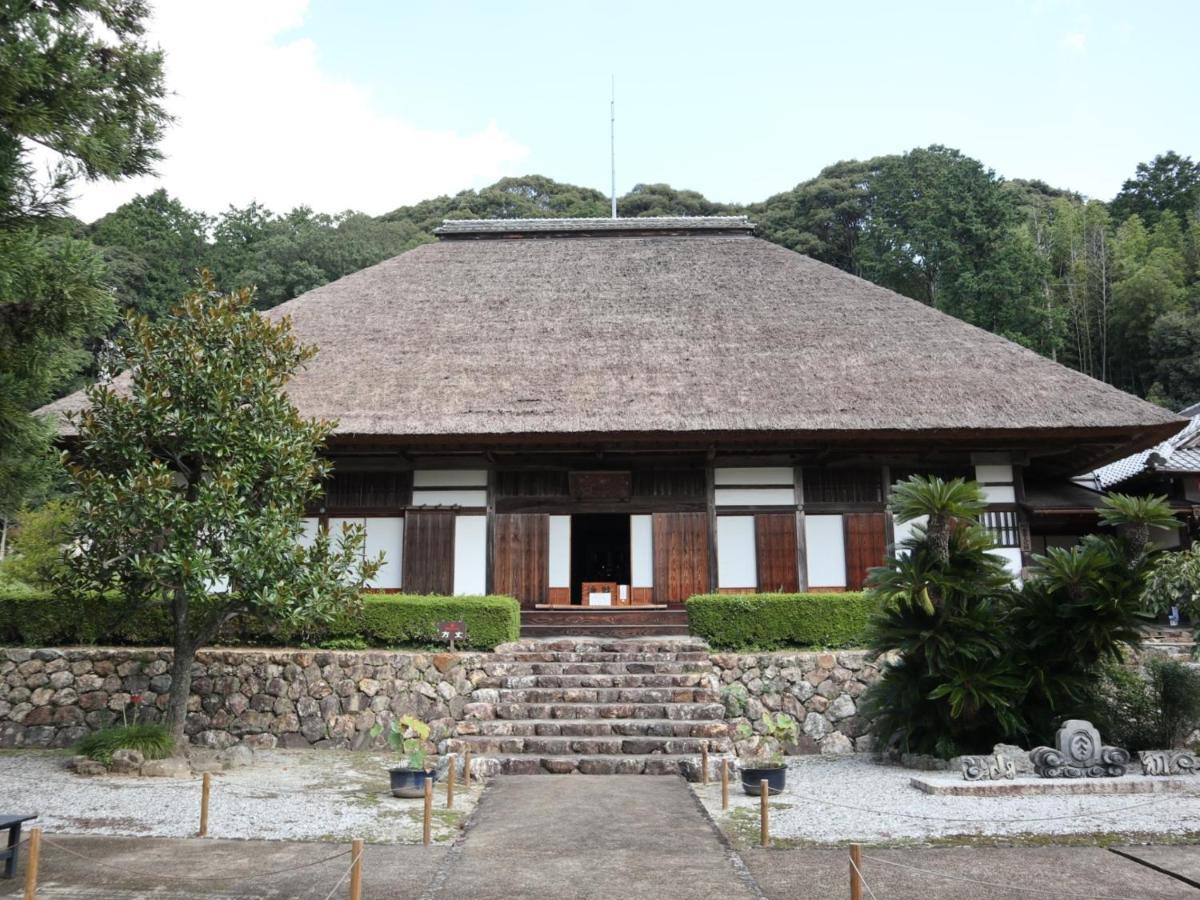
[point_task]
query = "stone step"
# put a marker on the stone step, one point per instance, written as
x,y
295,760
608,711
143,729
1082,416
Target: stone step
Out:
x,y
591,746
603,695
601,645
596,727
621,629
673,711
495,669
650,764
679,679
603,656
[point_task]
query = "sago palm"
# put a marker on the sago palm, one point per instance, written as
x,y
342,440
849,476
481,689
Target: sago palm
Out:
x,y
942,503
1138,515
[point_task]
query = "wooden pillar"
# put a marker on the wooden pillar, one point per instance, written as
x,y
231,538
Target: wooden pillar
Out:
x,y
710,492
801,539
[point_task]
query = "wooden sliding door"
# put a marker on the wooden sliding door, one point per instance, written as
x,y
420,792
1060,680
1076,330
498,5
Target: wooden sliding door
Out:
x,y
428,551
866,544
775,547
521,549
680,556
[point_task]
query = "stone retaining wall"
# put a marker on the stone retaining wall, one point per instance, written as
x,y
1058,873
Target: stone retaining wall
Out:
x,y
263,698
820,690
302,698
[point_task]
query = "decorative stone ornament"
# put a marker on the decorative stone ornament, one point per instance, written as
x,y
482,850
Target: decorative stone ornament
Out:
x,y
1078,753
988,768
1168,762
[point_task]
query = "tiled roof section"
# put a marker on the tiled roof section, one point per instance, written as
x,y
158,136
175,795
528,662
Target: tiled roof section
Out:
x,y
459,228
1180,453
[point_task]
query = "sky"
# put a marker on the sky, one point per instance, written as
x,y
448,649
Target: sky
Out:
x,y
374,104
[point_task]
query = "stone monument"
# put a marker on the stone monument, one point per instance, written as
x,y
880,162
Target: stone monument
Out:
x,y
988,768
1078,753
1168,762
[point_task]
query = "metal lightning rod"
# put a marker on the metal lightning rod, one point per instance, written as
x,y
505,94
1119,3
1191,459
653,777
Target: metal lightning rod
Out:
x,y
612,140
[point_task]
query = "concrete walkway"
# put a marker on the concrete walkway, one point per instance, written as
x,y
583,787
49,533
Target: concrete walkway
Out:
x,y
590,836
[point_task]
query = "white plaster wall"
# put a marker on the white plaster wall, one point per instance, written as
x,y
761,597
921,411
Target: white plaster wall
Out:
x,y
467,498
308,534
641,551
470,555
1012,560
560,551
457,478
826,549
769,475
992,472
903,530
737,564
755,496
386,534
999,493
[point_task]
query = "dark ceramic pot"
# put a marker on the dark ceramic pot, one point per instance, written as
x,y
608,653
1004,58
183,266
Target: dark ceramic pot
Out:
x,y
775,776
409,782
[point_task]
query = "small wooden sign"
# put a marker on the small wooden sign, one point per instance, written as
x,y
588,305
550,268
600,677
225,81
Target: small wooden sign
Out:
x,y
452,631
601,485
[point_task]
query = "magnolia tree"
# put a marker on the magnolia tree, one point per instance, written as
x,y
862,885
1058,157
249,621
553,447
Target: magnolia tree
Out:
x,y
191,482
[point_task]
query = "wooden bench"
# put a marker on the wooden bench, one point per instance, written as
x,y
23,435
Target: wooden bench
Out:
x,y
9,852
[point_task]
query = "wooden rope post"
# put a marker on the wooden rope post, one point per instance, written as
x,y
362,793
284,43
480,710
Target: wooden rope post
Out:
x,y
31,863
356,854
704,763
764,791
427,832
450,772
205,790
467,769
856,882
725,784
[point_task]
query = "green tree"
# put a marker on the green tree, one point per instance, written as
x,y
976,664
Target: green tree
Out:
x,y
191,484
155,247
1169,182
78,80
664,200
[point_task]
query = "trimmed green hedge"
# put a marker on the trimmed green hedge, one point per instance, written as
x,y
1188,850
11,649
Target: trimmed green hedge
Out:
x,y
384,620
774,621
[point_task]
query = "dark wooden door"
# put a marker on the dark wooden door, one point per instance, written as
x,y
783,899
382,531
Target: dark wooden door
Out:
x,y
428,552
521,550
866,544
680,556
775,543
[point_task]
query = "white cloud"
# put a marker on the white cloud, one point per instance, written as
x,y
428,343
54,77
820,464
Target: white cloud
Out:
x,y
258,119
1075,40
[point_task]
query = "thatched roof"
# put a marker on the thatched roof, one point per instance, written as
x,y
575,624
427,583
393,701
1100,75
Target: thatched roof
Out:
x,y
633,331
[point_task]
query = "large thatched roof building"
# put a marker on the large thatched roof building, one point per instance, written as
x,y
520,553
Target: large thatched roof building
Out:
x,y
664,405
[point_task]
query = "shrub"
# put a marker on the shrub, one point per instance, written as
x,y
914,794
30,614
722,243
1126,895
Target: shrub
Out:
x,y
34,618
395,619
1152,710
771,621
153,741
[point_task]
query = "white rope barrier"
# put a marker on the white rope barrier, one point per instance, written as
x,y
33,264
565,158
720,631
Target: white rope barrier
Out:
x,y
863,878
996,884
345,875
164,877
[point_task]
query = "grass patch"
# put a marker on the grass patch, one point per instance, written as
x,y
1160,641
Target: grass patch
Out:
x,y
153,741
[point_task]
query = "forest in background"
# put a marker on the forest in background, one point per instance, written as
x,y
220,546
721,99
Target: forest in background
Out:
x,y
1109,288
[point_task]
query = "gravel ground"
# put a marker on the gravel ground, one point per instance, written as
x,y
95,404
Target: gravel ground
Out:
x,y
835,800
293,795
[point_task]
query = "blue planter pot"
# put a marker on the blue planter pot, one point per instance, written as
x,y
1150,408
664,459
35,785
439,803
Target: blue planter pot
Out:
x,y
775,776
409,782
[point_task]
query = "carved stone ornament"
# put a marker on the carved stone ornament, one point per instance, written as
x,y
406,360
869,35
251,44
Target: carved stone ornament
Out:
x,y
1168,762
988,768
1078,753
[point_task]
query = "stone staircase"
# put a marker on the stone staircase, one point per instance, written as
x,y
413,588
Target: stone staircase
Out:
x,y
598,707
1165,641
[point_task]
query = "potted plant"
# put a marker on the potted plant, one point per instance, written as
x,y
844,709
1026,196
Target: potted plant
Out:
x,y
408,735
768,763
